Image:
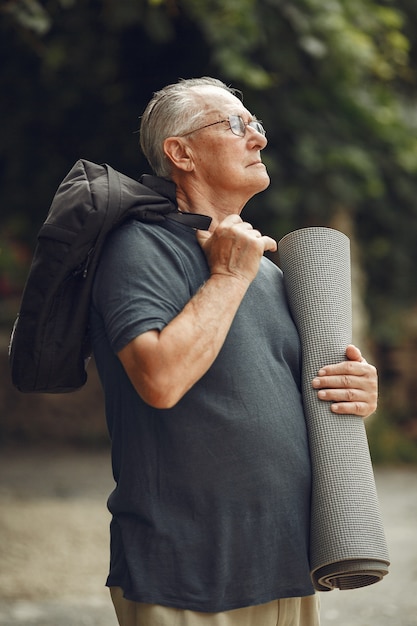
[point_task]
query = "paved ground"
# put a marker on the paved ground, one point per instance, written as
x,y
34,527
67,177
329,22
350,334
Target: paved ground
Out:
x,y
54,545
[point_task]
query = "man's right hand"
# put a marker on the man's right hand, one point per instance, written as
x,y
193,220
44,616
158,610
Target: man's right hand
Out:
x,y
235,248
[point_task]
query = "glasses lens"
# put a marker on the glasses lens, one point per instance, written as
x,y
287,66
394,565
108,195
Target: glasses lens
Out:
x,y
237,125
258,127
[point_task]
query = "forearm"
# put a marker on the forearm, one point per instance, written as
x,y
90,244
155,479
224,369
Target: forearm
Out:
x,y
164,365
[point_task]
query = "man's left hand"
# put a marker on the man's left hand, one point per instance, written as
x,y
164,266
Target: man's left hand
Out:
x,y
351,386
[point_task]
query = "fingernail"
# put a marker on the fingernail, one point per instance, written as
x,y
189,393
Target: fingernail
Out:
x,y
316,382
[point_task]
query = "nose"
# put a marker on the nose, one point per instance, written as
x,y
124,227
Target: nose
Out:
x,y
256,137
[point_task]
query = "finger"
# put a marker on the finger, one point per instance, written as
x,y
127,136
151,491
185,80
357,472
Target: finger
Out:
x,y
354,401
348,368
350,401
269,243
345,395
248,226
339,381
203,236
361,409
348,389
354,354
233,218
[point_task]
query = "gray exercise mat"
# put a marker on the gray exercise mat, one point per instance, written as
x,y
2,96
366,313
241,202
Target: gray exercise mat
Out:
x,y
348,546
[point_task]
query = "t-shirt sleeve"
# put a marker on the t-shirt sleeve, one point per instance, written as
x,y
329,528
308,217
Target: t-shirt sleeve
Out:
x,y
139,283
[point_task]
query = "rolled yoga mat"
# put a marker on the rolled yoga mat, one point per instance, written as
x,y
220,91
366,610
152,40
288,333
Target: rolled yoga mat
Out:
x,y
347,542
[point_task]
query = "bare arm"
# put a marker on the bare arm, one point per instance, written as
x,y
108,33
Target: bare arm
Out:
x,y
164,365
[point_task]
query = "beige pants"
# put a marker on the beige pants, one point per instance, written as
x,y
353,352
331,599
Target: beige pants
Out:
x,y
285,612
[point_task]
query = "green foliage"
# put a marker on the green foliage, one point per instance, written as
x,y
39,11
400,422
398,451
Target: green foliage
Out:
x,y
334,82
233,30
29,14
388,443
330,78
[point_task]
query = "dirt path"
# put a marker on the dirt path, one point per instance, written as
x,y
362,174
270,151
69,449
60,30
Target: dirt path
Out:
x,y
54,545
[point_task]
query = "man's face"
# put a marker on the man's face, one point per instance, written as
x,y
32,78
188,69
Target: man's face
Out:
x,y
222,160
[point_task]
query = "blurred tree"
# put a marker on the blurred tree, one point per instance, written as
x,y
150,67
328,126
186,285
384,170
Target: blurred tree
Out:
x,y
333,80
77,90
330,78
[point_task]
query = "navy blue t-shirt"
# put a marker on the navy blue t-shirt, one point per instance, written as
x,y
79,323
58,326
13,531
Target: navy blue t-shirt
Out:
x,y
212,498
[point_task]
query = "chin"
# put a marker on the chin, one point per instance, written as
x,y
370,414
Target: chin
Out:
x,y
264,182
260,187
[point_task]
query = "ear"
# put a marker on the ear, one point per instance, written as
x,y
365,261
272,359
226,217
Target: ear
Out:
x,y
179,153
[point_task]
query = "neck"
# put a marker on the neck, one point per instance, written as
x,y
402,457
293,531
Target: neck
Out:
x,y
198,199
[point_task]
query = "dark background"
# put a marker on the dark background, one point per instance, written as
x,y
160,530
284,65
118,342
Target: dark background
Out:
x,y
335,85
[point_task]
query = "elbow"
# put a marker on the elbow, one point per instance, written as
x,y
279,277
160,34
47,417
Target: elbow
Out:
x,y
157,380
160,400
158,394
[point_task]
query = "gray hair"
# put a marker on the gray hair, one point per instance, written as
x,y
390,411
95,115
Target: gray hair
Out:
x,y
171,112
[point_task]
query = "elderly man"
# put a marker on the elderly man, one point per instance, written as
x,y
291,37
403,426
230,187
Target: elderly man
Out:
x,y
200,364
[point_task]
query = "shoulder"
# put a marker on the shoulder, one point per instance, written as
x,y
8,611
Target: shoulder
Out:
x,y
138,242
135,232
138,251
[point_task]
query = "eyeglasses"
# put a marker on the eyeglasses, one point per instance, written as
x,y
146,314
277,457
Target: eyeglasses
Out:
x,y
237,126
